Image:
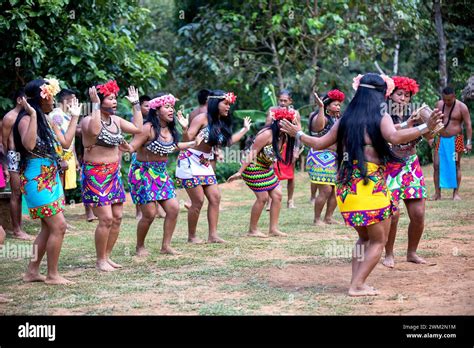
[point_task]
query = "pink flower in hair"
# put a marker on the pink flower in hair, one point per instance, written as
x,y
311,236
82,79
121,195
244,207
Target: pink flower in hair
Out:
x,y
161,101
356,81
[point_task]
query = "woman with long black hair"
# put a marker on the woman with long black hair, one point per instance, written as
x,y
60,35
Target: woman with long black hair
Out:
x,y
193,169
257,170
149,181
41,149
363,135
102,187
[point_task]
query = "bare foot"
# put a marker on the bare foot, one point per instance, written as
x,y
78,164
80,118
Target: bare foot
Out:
x,y
215,240
57,280
331,221
389,261
364,290
435,197
104,266
318,222
114,264
30,277
269,205
312,201
195,240
415,259
138,216
169,251
290,204
90,219
142,252
22,235
277,234
187,205
457,197
257,234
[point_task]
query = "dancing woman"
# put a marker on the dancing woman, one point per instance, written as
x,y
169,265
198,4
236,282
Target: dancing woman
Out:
x,y
102,187
193,169
149,181
362,135
257,170
405,178
41,150
322,164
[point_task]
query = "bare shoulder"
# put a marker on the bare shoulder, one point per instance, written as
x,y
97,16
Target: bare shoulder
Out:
x,y
200,119
463,106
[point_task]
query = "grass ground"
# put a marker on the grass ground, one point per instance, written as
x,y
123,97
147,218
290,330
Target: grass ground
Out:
x,y
306,273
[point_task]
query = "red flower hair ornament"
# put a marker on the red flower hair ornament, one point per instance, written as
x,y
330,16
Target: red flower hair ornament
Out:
x,y
108,88
406,83
336,95
283,114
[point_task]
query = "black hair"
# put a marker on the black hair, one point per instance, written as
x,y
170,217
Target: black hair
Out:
x,y
362,116
143,99
218,127
64,93
45,133
154,118
448,90
285,92
20,92
202,96
290,143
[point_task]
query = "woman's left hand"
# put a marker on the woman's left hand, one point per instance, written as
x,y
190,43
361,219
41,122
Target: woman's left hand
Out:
x,y
132,95
183,120
247,123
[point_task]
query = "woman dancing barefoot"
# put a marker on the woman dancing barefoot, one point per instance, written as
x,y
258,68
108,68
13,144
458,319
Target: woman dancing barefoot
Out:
x,y
102,187
257,171
362,135
40,145
150,183
194,171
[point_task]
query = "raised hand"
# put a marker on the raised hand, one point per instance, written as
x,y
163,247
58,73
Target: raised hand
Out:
x,y
183,120
234,177
28,108
318,100
93,95
247,123
75,108
289,128
132,96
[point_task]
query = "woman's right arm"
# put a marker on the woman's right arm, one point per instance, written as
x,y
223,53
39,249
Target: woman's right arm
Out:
x,y
28,127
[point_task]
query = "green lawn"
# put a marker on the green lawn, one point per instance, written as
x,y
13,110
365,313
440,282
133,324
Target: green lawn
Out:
x,y
293,275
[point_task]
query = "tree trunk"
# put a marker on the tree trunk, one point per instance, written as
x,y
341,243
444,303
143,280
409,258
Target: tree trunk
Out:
x,y
443,72
276,61
395,58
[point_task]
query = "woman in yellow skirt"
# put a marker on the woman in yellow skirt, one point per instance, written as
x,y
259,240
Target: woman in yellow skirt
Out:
x,y
362,136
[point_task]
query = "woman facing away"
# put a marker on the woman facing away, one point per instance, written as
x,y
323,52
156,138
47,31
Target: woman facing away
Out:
x,y
257,171
362,136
